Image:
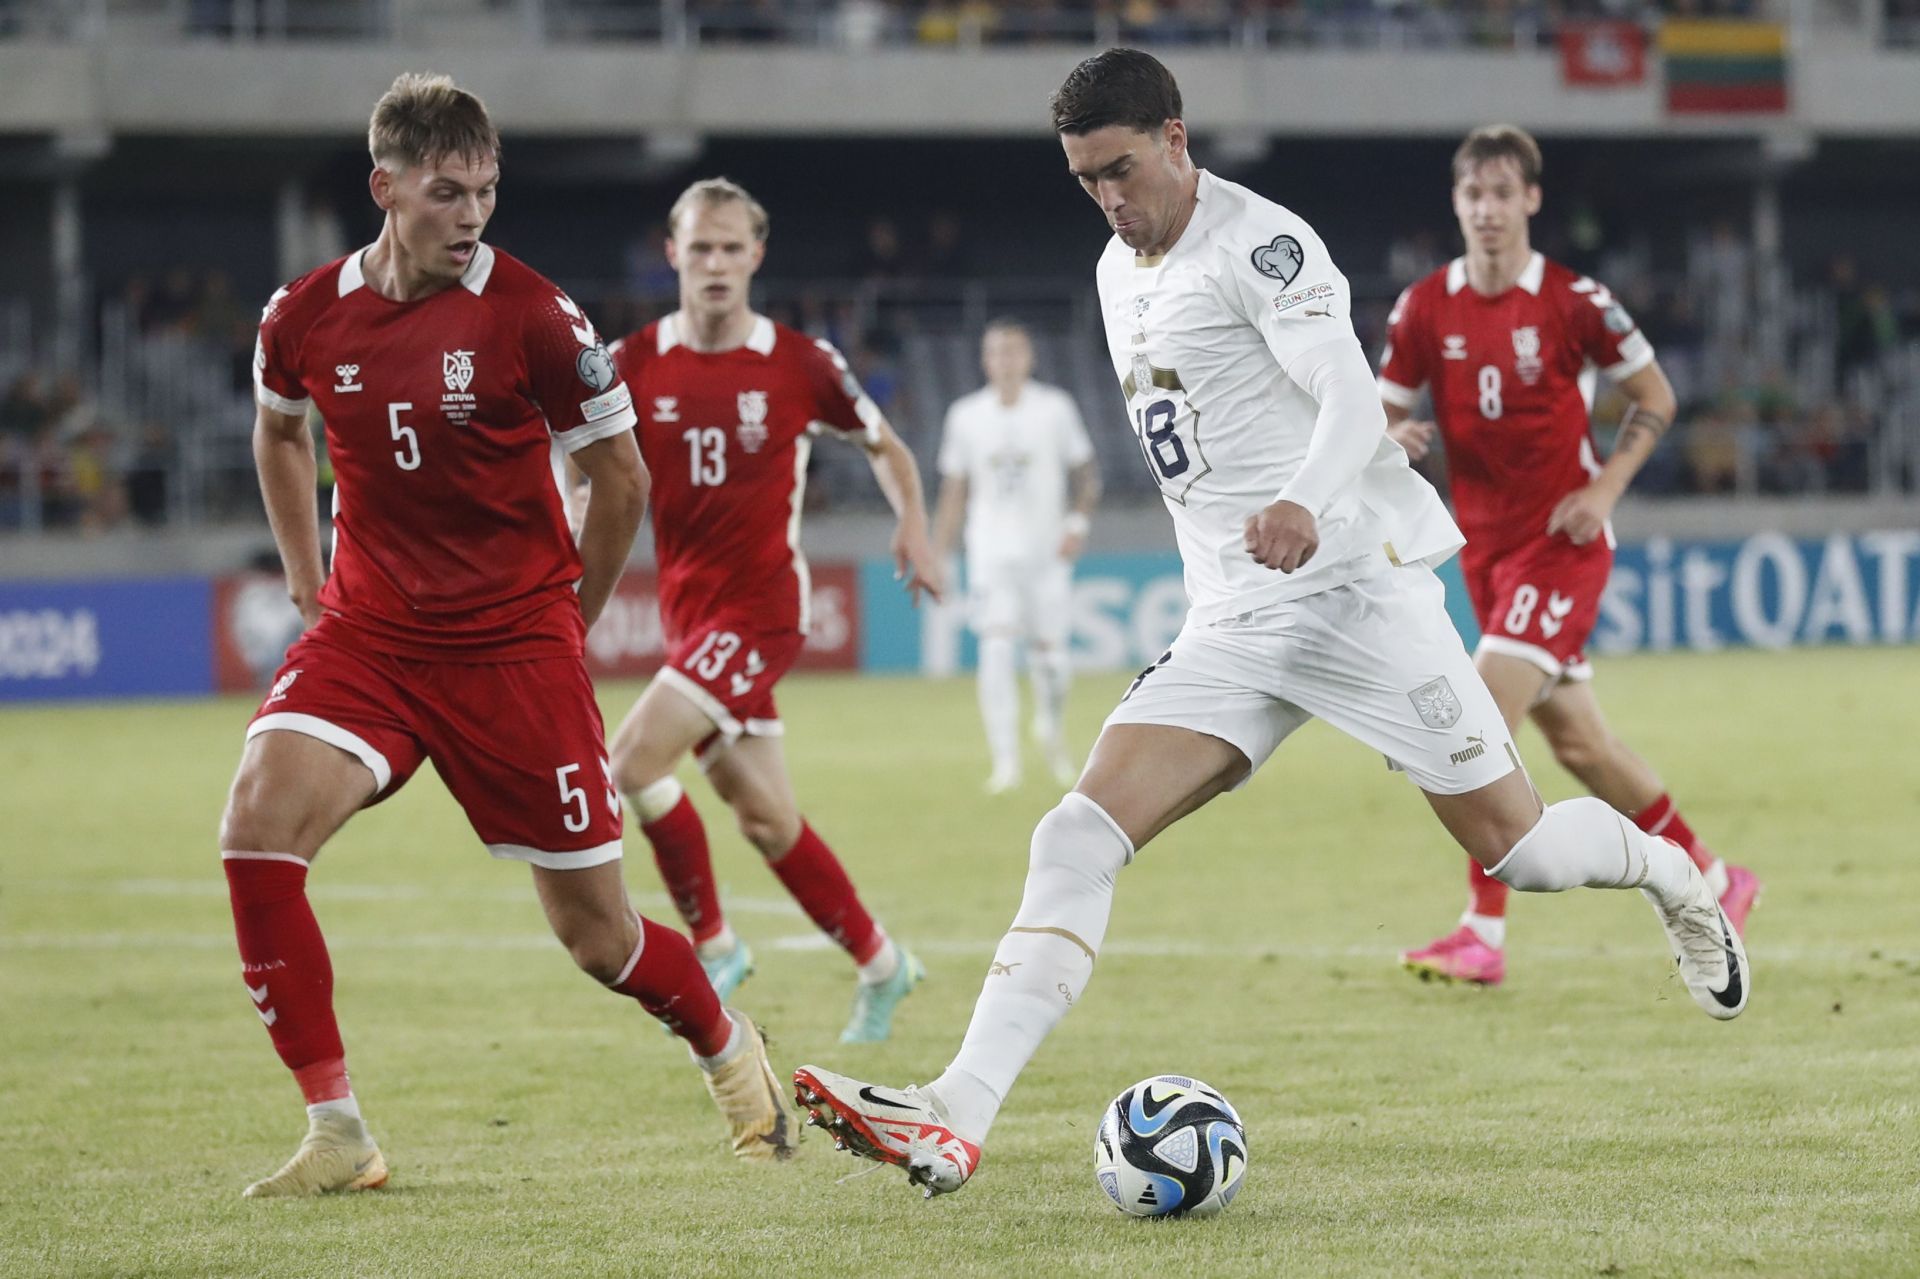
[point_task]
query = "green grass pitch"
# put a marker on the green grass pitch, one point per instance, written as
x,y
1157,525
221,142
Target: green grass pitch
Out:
x,y
1585,1119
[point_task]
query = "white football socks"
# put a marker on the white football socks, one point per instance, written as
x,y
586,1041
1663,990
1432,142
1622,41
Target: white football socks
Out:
x,y
1584,843
1000,700
346,1106
884,964
1490,929
1043,964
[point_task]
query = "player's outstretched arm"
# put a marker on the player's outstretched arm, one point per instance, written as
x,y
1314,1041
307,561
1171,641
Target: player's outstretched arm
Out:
x,y
914,560
948,512
283,454
1084,481
618,484
1408,431
1346,434
1583,513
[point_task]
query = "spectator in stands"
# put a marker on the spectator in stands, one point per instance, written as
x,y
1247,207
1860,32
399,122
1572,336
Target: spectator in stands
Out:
x,y
25,410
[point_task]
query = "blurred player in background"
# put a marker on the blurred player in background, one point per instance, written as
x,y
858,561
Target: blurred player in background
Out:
x,y
729,404
450,628
1308,545
1008,454
1505,341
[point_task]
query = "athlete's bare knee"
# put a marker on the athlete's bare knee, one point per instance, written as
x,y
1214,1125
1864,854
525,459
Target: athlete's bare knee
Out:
x,y
600,945
1581,753
772,833
633,771
256,820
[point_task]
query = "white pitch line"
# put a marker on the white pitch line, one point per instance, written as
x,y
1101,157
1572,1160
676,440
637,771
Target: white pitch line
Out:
x,y
1139,947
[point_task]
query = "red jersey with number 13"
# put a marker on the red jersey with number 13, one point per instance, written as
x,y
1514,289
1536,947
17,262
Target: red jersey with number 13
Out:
x,y
1511,388
450,536
726,435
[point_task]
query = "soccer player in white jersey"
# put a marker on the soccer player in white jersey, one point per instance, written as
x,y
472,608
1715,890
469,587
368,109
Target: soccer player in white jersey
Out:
x,y
1008,453
1309,546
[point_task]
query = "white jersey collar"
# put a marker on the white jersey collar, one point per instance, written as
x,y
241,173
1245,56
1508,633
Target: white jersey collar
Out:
x,y
474,279
760,338
1532,275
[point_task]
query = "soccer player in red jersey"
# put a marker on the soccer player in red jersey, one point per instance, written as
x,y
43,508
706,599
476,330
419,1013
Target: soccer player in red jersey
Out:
x,y
1505,340
729,403
451,626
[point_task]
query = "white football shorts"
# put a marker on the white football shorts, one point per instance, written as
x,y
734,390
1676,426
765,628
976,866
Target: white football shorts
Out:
x,y
1376,658
1032,599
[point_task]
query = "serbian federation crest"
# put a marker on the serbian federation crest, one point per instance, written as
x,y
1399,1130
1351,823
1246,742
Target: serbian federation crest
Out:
x,y
1435,702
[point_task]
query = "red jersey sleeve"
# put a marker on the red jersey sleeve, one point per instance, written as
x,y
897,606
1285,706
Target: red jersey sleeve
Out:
x,y
840,405
574,379
1405,361
1604,332
276,376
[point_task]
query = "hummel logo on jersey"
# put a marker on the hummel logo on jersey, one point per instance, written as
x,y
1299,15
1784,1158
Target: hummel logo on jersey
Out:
x,y
259,996
666,408
998,969
285,682
457,368
755,663
1558,606
1455,347
742,685
582,332
347,373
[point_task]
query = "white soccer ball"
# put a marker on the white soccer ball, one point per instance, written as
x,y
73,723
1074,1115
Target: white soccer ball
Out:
x,y
1170,1147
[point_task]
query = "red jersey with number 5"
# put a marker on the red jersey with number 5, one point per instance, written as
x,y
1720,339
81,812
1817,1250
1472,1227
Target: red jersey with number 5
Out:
x,y
1511,383
727,435
450,536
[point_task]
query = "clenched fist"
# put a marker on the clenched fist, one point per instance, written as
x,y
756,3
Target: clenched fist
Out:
x,y
1282,536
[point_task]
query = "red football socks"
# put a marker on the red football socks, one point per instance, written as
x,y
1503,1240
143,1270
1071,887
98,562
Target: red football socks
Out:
x,y
818,882
679,840
283,961
1663,819
1489,894
665,976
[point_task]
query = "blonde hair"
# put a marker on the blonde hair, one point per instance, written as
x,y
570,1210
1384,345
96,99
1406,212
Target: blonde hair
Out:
x,y
424,118
711,193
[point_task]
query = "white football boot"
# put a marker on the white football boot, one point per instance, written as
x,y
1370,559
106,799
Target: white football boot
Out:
x,y
337,1154
1712,958
889,1125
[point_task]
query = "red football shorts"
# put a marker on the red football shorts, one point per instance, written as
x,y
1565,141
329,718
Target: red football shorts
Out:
x,y
1539,602
520,744
728,670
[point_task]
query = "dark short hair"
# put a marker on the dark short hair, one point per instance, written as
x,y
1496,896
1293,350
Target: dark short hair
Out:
x,y
1120,86
1495,142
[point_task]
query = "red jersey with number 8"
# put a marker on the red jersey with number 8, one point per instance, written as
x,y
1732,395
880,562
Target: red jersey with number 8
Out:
x,y
1511,386
727,435
450,536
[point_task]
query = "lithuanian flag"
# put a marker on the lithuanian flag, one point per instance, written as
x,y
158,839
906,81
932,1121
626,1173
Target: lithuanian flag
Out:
x,y
1725,66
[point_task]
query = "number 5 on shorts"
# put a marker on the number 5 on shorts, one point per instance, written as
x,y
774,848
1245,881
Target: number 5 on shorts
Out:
x,y
572,798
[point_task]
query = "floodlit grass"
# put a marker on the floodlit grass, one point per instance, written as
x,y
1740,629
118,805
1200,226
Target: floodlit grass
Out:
x,y
1585,1119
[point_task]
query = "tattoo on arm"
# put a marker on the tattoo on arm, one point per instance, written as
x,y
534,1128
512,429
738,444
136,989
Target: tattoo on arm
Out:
x,y
1637,423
